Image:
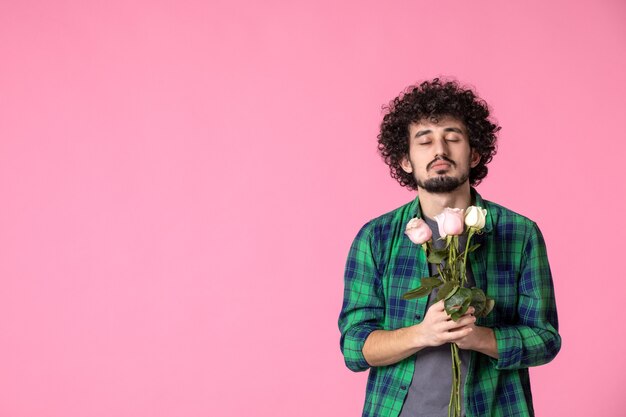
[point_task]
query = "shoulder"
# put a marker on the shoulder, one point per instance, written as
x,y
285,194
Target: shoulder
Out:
x,y
510,224
389,224
503,215
377,239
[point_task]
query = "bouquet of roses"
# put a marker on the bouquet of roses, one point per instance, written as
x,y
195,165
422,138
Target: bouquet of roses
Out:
x,y
451,278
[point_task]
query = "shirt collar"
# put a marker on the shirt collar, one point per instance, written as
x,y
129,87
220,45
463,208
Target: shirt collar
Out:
x,y
489,219
478,201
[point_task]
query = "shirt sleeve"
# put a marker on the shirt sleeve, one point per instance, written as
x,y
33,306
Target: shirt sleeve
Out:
x,y
363,303
535,340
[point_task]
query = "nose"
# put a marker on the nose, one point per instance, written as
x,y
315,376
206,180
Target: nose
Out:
x,y
441,147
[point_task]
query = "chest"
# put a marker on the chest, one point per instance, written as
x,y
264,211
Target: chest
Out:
x,y
495,266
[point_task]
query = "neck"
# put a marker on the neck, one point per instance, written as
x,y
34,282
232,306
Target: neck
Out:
x,y
433,203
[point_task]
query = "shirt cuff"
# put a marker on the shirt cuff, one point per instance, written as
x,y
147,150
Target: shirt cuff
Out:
x,y
353,348
510,349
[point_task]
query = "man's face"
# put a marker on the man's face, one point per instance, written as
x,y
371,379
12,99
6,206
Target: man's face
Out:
x,y
440,156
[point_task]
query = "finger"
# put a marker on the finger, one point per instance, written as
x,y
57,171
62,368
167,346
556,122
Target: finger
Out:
x,y
467,316
438,306
469,312
463,321
457,334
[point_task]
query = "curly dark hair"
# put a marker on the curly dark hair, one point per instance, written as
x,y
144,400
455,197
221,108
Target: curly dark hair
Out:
x,y
436,99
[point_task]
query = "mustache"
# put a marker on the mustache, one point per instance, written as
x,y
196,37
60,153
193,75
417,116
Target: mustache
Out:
x,y
440,158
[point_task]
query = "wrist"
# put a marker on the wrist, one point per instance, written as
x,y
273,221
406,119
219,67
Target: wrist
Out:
x,y
418,339
486,341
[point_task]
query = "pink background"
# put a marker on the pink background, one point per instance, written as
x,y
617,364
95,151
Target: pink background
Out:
x,y
181,181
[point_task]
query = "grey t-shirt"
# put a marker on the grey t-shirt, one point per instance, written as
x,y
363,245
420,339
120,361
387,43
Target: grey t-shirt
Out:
x,y
429,392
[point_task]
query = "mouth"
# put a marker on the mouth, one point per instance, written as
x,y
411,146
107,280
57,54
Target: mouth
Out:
x,y
441,164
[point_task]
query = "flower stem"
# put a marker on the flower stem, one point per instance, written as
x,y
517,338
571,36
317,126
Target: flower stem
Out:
x,y
470,233
454,407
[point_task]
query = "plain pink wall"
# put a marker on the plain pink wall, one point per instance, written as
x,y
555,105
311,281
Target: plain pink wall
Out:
x,y
181,181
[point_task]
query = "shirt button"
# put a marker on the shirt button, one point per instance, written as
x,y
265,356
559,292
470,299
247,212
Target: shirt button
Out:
x,y
418,316
403,387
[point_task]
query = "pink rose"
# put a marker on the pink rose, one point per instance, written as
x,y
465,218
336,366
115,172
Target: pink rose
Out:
x,y
451,221
418,231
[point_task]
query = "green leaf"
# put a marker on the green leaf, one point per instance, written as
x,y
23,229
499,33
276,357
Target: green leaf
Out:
x,y
447,289
489,306
461,295
479,301
437,256
478,294
427,284
432,282
457,304
417,293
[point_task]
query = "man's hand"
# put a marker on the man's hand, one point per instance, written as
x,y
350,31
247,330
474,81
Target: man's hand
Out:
x,y
480,339
438,328
386,347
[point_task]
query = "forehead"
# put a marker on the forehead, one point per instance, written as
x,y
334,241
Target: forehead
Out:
x,y
435,123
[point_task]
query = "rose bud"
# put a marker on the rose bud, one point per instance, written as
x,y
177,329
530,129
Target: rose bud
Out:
x,y
475,217
418,231
450,222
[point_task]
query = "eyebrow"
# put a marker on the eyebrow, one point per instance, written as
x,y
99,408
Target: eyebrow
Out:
x,y
421,133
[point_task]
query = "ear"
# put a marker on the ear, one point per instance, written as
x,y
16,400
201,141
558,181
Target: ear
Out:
x,y
406,164
474,158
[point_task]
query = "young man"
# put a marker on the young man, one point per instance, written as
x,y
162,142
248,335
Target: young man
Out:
x,y
437,138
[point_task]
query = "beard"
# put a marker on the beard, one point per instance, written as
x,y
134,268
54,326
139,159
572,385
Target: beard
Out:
x,y
442,184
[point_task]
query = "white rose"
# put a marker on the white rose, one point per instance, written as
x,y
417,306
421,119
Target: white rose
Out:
x,y
475,217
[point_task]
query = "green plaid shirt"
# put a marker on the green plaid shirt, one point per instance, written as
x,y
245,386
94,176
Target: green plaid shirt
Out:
x,y
511,266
